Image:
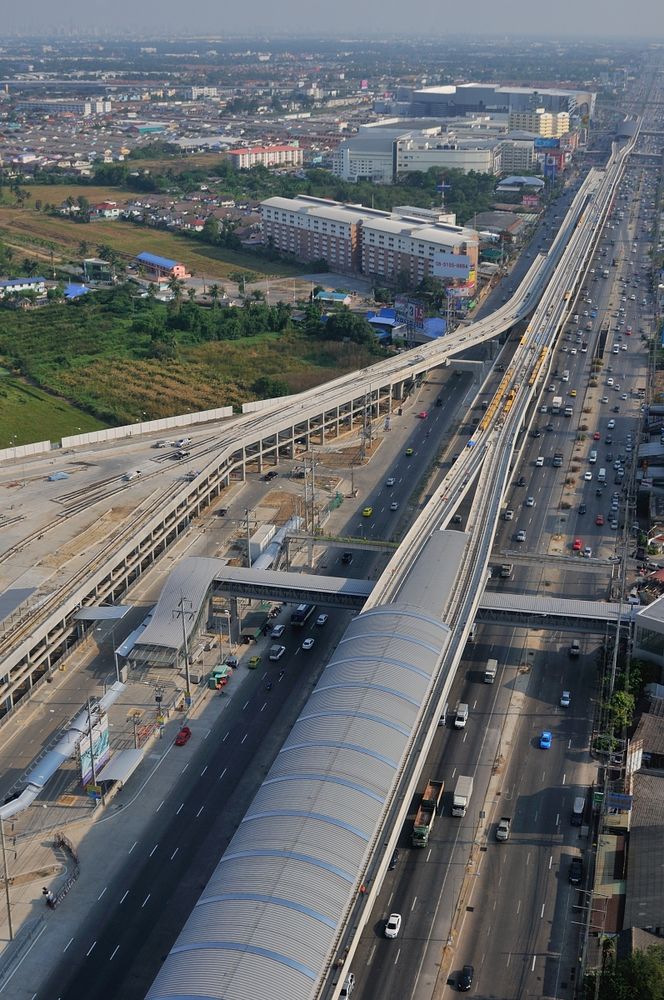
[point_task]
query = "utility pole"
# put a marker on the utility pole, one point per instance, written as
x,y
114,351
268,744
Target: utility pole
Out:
x,y
182,612
247,512
6,872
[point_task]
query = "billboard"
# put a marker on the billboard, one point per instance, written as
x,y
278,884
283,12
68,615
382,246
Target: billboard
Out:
x,y
530,200
410,312
451,265
100,747
547,143
465,291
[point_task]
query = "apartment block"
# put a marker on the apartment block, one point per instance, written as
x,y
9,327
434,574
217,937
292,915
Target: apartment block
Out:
x,y
266,156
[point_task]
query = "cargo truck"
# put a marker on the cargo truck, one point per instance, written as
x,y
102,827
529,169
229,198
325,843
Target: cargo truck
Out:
x,y
490,671
462,792
506,570
557,459
426,813
556,404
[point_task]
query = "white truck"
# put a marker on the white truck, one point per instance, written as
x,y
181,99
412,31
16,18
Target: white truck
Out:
x,y
503,828
462,793
556,404
490,671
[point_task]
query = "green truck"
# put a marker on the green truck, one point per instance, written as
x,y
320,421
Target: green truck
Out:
x,y
426,813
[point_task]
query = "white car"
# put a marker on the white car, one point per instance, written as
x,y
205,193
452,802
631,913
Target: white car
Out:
x,y
530,502
565,699
394,505
609,381
539,461
611,424
277,631
587,476
308,644
587,552
509,515
390,481
393,925
322,620
521,536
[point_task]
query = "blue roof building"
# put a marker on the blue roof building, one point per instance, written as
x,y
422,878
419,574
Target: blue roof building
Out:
x,y
162,267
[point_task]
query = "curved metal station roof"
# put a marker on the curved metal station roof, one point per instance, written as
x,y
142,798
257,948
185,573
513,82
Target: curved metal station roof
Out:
x,y
267,923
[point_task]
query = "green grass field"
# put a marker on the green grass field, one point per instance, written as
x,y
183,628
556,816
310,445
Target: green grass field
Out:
x,y
29,414
26,226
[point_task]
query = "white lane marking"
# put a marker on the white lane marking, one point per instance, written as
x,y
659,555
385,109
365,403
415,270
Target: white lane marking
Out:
x,y
133,846
509,959
413,904
174,853
145,900
389,902
245,705
550,862
200,811
465,734
264,706
518,908
243,738
542,911
371,955
564,777
180,809
396,959
222,774
125,896
160,805
204,770
226,736
474,704
557,819
532,968
184,768
153,850
102,893
454,772
88,953
67,945
117,948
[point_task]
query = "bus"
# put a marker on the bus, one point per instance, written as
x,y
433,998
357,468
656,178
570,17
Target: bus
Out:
x,y
302,613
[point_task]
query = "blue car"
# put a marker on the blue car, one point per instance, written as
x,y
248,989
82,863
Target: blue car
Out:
x,y
545,740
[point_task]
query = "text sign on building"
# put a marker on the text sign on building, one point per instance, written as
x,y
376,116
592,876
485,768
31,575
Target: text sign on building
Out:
x,y
452,265
618,800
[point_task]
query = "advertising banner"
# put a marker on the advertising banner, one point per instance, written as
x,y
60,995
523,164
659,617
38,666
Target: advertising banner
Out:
x,y
100,748
410,312
451,265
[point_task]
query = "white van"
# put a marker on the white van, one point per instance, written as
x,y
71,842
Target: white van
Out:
x,y
565,377
461,716
601,476
593,457
578,809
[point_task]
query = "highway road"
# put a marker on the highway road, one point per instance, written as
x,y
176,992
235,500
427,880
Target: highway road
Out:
x,y
167,867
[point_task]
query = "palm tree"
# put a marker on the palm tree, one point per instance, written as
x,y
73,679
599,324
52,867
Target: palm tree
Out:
x,y
175,286
214,294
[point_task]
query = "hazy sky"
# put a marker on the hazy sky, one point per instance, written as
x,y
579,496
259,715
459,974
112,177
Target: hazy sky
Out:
x,y
639,18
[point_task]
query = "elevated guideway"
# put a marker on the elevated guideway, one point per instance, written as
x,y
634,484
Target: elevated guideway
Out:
x,y
256,939
42,630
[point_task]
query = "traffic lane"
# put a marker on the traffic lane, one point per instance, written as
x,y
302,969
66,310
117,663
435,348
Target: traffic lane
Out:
x,y
520,879
422,886
168,868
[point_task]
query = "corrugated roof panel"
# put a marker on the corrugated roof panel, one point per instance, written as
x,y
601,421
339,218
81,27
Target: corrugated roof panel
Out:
x,y
267,921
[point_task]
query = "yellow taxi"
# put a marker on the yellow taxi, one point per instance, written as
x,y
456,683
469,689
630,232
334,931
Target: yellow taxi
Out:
x,y
572,392
367,512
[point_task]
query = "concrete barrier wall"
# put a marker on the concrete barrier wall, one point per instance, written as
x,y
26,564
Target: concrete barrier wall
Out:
x,y
24,451
265,404
147,427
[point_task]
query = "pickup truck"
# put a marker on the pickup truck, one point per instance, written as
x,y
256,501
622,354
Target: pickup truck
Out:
x,y
503,828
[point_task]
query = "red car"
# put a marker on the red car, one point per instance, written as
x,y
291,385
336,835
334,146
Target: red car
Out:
x,y
578,545
183,736
599,519
596,436
423,415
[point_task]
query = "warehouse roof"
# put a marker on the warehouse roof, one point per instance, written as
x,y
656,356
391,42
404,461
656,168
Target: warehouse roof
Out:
x,y
152,258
